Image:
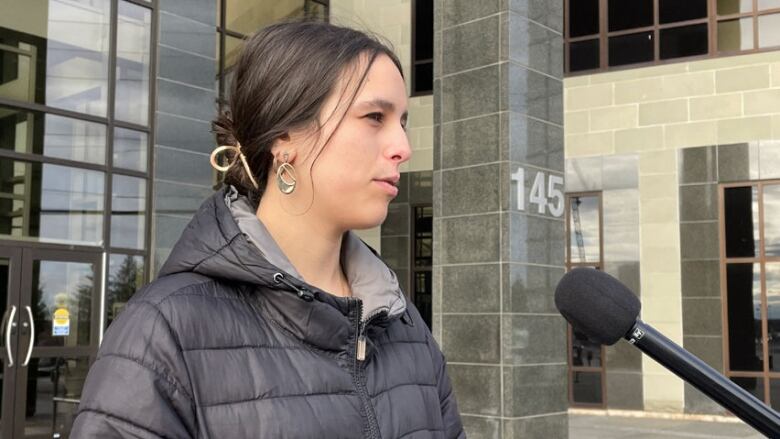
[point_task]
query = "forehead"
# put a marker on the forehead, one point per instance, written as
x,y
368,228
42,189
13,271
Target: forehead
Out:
x,y
383,82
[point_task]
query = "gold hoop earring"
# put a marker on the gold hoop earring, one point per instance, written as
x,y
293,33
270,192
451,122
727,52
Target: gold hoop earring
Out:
x,y
287,187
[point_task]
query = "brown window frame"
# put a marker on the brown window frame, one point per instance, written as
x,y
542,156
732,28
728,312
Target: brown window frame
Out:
x,y
761,259
569,333
712,19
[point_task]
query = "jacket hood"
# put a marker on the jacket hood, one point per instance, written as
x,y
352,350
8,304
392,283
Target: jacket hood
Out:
x,y
225,240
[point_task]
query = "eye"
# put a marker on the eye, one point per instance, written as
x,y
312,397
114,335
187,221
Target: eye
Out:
x,y
378,117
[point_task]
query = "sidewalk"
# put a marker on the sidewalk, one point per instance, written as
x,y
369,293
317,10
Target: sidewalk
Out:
x,y
618,427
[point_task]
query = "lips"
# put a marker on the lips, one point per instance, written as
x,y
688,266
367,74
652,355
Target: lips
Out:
x,y
389,184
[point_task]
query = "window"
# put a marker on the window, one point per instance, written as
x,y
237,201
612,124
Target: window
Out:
x,y
604,34
422,47
750,265
584,248
422,260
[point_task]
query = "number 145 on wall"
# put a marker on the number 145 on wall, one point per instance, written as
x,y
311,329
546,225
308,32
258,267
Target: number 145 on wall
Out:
x,y
551,198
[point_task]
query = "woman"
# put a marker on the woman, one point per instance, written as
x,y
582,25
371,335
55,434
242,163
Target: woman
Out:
x,y
271,318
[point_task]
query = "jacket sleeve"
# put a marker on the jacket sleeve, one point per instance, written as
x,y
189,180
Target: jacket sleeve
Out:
x,y
453,426
138,386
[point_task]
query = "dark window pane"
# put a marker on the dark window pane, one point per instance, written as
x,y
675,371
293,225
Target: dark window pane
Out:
x,y
753,385
62,294
675,10
586,387
678,42
583,55
768,30
583,17
741,218
630,14
125,277
726,7
423,77
423,29
743,286
631,49
773,314
772,220
423,236
422,295
128,207
735,35
584,230
774,393
584,352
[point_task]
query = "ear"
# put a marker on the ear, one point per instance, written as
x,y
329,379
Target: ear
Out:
x,y
283,145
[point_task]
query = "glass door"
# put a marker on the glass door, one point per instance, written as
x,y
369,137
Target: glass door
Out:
x,y
10,277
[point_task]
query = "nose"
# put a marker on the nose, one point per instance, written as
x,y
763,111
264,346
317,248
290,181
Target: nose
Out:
x,y
400,150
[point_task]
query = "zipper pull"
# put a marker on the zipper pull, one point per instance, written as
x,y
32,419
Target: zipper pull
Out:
x,y
360,350
303,293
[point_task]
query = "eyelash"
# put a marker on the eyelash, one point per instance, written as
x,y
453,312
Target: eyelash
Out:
x,y
379,117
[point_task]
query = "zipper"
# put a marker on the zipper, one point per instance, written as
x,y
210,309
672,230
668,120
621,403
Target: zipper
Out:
x,y
302,292
360,355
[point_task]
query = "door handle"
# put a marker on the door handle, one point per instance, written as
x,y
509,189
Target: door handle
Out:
x,y
11,324
32,337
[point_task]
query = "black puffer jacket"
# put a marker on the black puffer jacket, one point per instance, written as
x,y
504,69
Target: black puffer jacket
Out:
x,y
230,343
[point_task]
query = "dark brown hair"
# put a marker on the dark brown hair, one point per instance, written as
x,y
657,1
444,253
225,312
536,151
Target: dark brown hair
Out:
x,y
280,82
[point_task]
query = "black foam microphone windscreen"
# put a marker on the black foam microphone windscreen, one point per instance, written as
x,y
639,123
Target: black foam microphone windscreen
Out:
x,y
597,305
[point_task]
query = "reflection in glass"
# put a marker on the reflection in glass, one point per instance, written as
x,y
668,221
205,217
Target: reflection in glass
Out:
x,y
584,352
678,42
768,30
584,233
734,35
772,219
54,386
128,202
726,7
246,16
772,274
130,148
583,17
125,277
743,287
5,274
741,221
422,295
134,30
423,236
51,202
33,132
586,387
57,53
774,394
753,385
66,288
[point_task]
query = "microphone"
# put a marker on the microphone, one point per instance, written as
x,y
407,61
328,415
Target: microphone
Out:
x,y
604,310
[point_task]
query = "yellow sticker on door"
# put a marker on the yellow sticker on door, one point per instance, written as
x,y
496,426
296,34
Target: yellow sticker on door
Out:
x,y
61,322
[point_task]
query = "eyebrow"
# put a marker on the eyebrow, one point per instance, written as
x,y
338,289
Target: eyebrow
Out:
x,y
383,104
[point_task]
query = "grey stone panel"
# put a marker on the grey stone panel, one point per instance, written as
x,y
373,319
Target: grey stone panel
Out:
x,y
437,102
699,403
179,199
459,11
534,390
701,279
472,338
204,11
187,68
542,239
627,272
395,251
184,100
437,149
545,12
531,93
769,159
183,133
550,426
470,45
478,388
421,187
397,220
530,288
620,172
533,339
182,166
470,190
477,427
738,162
470,142
532,141
622,357
469,239
699,202
437,195
403,280
509,190
584,174
709,349
403,189
469,94
471,288
698,165
624,390
702,316
531,44
186,34
699,240
621,208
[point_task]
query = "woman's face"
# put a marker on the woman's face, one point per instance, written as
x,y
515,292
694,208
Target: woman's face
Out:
x,y
356,174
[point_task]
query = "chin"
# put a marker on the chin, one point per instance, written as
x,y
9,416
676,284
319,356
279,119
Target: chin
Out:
x,y
369,218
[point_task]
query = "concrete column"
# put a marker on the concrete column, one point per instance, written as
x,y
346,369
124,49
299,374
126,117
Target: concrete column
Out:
x,y
498,213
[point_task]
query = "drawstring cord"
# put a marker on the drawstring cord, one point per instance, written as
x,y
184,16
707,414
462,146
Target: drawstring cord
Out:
x,y
303,293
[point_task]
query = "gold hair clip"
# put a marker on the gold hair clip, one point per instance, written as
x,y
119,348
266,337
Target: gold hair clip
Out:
x,y
237,149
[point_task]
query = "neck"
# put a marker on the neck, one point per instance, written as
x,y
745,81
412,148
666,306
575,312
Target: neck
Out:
x,y
313,248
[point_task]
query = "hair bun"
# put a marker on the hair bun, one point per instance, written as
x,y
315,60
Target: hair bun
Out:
x,y
222,127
